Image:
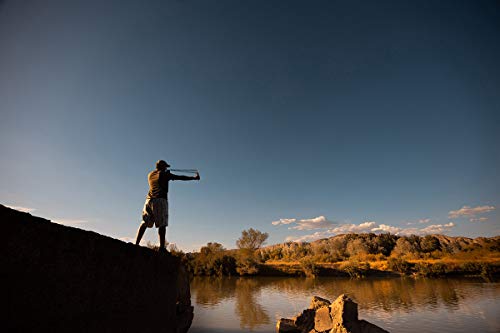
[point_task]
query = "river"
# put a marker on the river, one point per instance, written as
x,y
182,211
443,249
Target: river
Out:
x,y
399,305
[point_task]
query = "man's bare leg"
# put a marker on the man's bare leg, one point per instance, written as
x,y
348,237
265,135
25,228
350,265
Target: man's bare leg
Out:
x,y
140,232
161,232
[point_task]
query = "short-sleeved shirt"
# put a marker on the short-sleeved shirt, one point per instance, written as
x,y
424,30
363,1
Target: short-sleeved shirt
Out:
x,y
158,183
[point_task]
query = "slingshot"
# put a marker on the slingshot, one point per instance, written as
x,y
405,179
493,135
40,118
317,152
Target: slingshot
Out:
x,y
185,170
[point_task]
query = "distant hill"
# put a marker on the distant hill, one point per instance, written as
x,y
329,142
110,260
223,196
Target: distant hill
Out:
x,y
343,246
443,239
465,242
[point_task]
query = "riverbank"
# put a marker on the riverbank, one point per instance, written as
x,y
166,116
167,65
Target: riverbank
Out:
x,y
232,263
392,267
354,256
489,270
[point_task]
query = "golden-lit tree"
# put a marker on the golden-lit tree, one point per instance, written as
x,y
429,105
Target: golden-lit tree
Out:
x,y
251,239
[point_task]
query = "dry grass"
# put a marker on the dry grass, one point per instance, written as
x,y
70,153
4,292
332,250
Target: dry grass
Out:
x,y
280,262
381,265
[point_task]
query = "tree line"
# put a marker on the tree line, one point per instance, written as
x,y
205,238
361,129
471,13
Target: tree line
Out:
x,y
353,252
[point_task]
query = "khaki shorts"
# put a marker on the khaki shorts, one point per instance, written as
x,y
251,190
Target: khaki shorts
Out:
x,y
155,212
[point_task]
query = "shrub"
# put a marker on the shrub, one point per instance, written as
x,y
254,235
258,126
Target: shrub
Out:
x,y
430,270
247,265
488,271
471,267
357,247
403,247
399,265
423,269
325,258
386,243
309,267
439,269
355,269
212,259
224,265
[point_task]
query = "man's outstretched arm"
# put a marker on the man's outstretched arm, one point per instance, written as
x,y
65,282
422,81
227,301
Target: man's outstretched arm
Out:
x,y
179,177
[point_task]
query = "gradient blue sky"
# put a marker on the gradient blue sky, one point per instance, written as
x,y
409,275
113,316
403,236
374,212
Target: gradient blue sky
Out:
x,y
342,115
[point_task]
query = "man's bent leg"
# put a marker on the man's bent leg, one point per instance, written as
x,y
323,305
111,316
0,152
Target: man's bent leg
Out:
x,y
161,232
140,232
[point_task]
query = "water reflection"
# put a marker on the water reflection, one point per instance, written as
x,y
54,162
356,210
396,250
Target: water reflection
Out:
x,y
251,313
212,291
257,302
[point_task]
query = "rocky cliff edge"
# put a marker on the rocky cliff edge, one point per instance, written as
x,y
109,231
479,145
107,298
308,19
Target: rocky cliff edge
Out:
x,y
60,279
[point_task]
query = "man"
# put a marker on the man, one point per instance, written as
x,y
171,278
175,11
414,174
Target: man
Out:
x,y
155,211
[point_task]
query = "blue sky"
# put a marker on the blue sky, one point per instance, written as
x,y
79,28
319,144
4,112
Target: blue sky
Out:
x,y
320,116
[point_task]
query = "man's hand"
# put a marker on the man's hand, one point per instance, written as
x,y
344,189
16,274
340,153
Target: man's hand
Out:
x,y
197,177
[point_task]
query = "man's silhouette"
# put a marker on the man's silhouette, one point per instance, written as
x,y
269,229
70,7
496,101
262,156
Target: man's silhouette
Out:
x,y
155,211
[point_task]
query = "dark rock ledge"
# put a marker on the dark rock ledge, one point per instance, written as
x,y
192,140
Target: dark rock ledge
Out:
x,y
61,279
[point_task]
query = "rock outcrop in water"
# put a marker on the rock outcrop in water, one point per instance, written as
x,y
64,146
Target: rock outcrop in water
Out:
x,y
341,316
62,279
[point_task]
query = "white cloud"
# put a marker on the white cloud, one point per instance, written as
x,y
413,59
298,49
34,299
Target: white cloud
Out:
x,y
478,219
424,220
387,228
353,228
309,238
319,222
431,229
283,221
372,226
22,209
436,228
409,231
341,229
467,211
